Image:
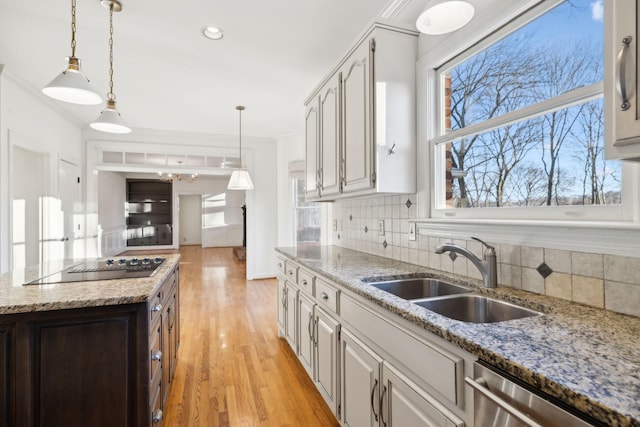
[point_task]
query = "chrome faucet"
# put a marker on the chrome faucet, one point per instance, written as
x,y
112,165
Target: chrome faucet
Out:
x,y
487,265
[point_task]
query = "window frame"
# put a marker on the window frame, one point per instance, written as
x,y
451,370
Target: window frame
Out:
x,y
622,212
581,228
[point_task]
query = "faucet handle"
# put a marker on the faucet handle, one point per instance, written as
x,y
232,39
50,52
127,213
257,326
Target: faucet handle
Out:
x,y
488,246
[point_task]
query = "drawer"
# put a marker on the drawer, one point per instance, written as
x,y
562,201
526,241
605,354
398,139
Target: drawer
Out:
x,y
436,366
327,295
280,265
306,281
291,271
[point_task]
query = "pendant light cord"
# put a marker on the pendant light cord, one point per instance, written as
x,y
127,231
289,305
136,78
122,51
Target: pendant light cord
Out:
x,y
111,95
73,28
240,133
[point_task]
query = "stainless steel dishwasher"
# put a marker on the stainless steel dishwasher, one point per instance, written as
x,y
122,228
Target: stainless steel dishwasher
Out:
x,y
500,402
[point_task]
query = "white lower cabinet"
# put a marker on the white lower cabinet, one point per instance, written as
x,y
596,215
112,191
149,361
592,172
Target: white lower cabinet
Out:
x,y
287,312
326,338
404,403
306,343
360,382
372,368
375,393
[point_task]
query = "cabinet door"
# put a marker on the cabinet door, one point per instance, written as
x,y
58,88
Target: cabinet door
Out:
x,y
282,302
305,326
330,137
290,326
360,396
7,374
312,143
357,143
326,357
621,93
405,404
85,369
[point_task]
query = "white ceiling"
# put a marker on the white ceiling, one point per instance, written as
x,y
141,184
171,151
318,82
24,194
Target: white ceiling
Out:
x,y
168,76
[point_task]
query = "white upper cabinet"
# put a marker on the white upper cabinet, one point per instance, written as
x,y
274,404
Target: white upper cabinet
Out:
x,y
330,137
621,76
367,118
312,118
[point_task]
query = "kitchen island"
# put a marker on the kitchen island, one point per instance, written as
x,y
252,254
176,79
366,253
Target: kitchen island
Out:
x,y
99,353
586,358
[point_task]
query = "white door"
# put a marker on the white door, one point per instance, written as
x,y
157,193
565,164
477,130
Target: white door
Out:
x,y
69,222
190,215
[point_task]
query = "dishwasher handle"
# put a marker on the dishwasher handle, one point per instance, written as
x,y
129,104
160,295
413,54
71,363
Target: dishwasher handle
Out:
x,y
480,385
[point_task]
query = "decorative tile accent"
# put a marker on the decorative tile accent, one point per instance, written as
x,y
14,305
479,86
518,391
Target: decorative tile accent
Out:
x,y
453,256
338,236
366,229
350,217
408,203
384,244
544,270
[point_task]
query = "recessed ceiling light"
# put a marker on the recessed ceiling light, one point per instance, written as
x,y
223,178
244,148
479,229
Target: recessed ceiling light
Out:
x,y
213,33
445,17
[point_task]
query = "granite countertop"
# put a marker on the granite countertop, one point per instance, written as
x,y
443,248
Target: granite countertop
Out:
x,y
586,357
17,298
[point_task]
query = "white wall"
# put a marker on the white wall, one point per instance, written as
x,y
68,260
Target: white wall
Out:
x,y
31,120
190,219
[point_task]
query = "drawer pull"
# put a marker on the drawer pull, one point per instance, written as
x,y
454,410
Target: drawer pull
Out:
x,y
290,272
324,296
304,282
157,355
373,407
156,308
279,265
157,416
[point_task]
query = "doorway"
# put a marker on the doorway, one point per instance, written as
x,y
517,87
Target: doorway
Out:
x,y
190,213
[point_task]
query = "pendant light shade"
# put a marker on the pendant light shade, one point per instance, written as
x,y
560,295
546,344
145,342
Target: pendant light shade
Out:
x,y
72,85
240,178
109,119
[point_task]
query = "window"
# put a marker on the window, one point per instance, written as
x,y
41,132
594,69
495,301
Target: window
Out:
x,y
522,122
306,215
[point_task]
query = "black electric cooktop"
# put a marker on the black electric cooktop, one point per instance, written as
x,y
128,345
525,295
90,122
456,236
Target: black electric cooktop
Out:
x,y
110,269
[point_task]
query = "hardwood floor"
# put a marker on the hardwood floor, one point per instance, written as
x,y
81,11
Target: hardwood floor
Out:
x,y
233,369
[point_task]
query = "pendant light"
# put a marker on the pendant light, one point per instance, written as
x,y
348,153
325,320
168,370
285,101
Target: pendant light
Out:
x,y
72,85
240,178
109,119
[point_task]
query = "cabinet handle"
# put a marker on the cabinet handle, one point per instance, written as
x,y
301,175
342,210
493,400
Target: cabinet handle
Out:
x,y
621,68
157,355
157,416
309,327
280,265
284,298
304,282
290,273
315,328
384,391
324,296
373,406
156,308
480,385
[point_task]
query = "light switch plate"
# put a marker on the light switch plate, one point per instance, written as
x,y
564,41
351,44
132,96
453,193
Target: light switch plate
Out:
x,y
381,227
412,231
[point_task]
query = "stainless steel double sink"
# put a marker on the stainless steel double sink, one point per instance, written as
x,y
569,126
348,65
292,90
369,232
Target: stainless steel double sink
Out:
x,y
453,301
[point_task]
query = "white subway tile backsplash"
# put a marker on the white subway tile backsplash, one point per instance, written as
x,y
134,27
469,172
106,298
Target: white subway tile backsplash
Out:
x,y
607,281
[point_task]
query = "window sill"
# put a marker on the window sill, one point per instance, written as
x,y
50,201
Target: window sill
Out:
x,y
613,238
